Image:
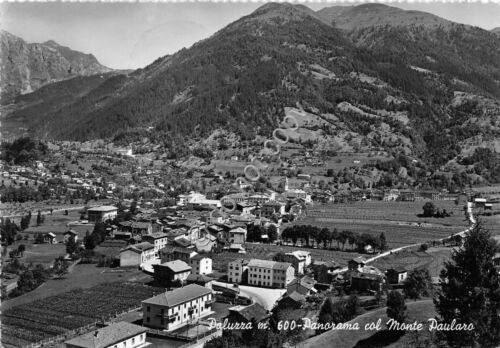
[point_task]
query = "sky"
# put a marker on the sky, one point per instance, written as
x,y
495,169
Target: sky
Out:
x,y
124,35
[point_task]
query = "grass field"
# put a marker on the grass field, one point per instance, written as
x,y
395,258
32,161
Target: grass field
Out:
x,y
38,253
389,211
58,314
432,259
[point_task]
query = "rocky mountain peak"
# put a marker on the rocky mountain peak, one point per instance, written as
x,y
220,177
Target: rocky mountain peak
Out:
x,y
25,67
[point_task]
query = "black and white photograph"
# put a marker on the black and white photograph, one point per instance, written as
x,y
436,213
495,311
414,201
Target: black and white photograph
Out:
x,y
250,174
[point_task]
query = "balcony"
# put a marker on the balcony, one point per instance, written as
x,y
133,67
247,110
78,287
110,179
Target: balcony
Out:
x,y
212,300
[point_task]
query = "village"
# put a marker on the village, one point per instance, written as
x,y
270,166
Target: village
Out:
x,y
206,257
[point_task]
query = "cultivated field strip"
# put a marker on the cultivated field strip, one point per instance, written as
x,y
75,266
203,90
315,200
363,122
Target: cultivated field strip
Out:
x,y
55,315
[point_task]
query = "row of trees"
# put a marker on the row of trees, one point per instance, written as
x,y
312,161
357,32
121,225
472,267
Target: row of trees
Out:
x,y
31,277
255,233
326,236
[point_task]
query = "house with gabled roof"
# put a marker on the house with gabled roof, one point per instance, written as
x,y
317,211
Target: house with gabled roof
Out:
x,y
176,308
246,314
121,334
170,272
267,273
137,254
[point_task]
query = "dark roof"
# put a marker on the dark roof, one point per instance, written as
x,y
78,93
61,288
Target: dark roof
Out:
x,y
141,225
296,296
370,276
179,295
107,336
140,247
182,241
176,266
199,278
305,281
399,269
254,311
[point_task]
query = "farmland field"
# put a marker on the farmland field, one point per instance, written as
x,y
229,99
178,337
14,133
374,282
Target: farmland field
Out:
x,y
397,220
55,315
389,211
433,259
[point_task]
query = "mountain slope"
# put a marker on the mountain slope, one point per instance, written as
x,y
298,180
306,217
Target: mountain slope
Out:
x,y
496,31
370,15
26,67
373,88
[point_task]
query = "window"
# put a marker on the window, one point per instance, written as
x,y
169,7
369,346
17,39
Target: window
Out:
x,y
149,309
148,320
133,340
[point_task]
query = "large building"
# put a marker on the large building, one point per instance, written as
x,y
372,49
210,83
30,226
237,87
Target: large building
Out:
x,y
174,309
102,213
158,239
237,235
270,274
200,264
299,260
237,272
170,272
137,254
117,335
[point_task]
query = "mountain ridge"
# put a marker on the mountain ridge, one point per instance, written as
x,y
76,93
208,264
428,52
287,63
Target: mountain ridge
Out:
x,y
25,67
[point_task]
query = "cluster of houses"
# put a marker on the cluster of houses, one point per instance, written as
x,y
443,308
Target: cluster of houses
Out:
x,y
189,303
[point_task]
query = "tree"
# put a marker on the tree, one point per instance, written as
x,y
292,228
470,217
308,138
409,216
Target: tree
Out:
x,y
20,249
39,238
396,306
133,207
280,257
89,241
382,242
469,292
60,267
325,313
429,209
26,281
272,233
418,283
39,218
71,246
12,254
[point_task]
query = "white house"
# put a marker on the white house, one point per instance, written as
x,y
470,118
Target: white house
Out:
x,y
174,309
200,264
116,335
102,213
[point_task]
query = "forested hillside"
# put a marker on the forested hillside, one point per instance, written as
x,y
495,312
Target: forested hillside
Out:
x,y
387,86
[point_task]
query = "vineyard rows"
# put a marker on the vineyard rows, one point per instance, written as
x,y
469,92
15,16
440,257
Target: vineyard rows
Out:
x,y
56,315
